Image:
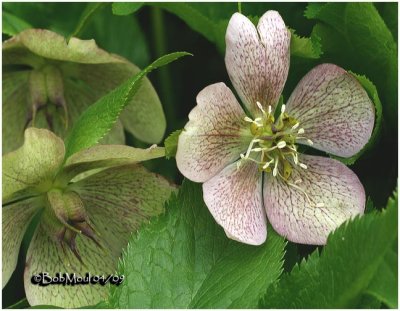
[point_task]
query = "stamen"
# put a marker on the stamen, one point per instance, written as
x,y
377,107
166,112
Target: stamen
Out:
x,y
295,157
300,131
320,204
296,126
261,108
302,191
268,164
247,119
283,108
275,170
281,144
302,165
250,147
297,181
310,142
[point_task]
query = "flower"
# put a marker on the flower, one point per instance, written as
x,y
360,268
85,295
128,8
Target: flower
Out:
x,y
48,83
250,166
86,207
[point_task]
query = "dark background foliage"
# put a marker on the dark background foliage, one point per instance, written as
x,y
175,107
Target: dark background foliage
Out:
x,y
153,31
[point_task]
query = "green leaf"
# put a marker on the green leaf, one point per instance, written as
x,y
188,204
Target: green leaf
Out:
x,y
126,8
340,275
12,24
373,95
20,304
209,20
305,47
99,118
385,284
171,144
354,36
87,14
104,25
183,259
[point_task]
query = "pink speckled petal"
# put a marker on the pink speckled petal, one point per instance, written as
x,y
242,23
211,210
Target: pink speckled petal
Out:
x,y
326,181
235,201
215,135
334,110
257,60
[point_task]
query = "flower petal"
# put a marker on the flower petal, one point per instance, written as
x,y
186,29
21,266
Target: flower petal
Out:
x,y
144,116
16,219
118,200
46,255
326,181
334,110
83,66
234,199
101,156
33,165
48,44
215,135
15,109
258,61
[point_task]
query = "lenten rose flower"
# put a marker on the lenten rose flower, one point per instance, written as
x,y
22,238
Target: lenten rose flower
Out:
x,y
48,83
83,223
250,165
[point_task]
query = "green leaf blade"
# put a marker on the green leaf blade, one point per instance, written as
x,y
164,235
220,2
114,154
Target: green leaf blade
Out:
x,y
340,275
12,25
171,144
126,8
99,118
184,259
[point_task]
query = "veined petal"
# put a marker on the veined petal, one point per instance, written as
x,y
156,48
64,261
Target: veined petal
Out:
x,y
101,156
46,255
82,66
48,44
32,166
276,41
258,61
118,200
215,135
15,109
334,110
235,201
16,219
326,182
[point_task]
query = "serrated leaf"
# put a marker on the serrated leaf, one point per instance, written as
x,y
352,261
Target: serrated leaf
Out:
x,y
340,275
184,259
384,285
99,118
372,92
354,36
305,47
12,24
171,144
126,8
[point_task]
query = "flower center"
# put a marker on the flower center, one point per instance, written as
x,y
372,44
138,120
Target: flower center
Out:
x,y
273,146
46,95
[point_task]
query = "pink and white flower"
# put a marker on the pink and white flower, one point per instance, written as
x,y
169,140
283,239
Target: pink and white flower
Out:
x,y
250,165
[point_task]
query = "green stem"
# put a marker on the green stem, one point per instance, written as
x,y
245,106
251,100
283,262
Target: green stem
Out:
x,y
240,7
164,76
